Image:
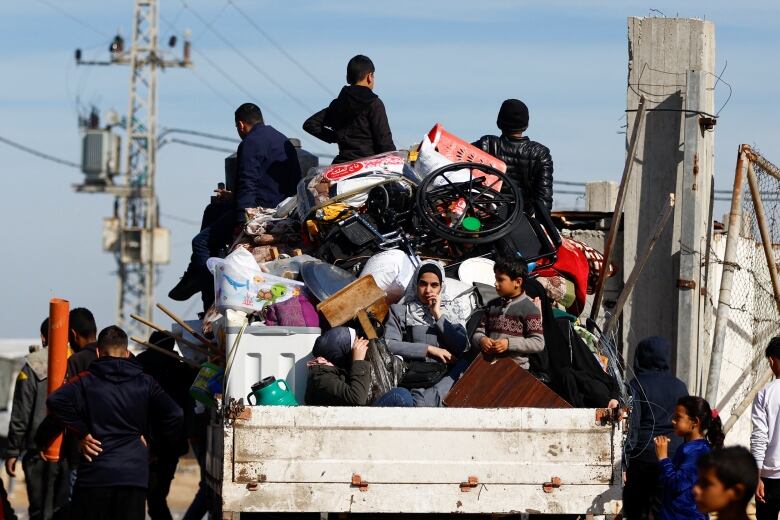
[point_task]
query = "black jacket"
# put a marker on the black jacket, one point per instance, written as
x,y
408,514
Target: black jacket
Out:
x,y
80,361
357,121
528,164
175,378
116,403
334,386
655,391
268,169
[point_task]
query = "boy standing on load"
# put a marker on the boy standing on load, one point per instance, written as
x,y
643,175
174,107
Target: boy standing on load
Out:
x,y
512,325
356,120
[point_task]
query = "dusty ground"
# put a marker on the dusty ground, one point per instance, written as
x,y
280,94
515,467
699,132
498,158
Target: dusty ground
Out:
x,y
183,489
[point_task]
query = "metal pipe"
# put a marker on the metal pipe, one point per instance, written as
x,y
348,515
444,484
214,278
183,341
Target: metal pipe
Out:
x,y
765,165
737,412
182,340
660,225
766,238
165,352
727,278
617,214
58,361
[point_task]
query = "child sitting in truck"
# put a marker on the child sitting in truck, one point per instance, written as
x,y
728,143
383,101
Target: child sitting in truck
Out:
x,y
339,374
512,325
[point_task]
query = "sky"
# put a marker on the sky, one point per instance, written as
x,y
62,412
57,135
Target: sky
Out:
x,y
451,62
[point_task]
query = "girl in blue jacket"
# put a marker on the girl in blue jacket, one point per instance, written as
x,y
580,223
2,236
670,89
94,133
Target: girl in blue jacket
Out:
x,y
702,431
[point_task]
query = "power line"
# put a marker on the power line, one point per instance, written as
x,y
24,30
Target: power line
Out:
x,y
74,18
212,88
240,87
281,49
251,63
39,154
198,145
183,220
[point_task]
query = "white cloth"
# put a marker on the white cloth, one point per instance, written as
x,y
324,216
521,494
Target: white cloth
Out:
x,y
765,437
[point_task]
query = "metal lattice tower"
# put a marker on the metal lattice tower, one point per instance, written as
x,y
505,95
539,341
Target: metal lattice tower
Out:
x,y
135,206
137,211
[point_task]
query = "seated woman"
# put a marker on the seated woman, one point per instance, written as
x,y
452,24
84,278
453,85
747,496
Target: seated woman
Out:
x,y
423,328
339,374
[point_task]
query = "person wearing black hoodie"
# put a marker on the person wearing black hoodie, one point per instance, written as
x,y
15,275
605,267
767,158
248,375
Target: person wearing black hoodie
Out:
x,y
113,407
356,119
175,378
655,392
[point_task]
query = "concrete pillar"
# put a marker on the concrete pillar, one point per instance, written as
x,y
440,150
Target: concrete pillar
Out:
x,y
671,63
601,196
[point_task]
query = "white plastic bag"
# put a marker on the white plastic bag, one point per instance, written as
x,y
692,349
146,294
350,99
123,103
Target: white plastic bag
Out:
x,y
392,271
240,284
429,160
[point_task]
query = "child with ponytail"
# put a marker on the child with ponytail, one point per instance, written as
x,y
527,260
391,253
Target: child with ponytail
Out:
x,y
702,431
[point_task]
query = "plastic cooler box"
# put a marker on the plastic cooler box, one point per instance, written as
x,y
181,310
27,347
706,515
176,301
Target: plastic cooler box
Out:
x,y
263,351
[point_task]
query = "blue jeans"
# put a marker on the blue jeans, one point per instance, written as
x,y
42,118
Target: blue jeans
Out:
x,y
396,397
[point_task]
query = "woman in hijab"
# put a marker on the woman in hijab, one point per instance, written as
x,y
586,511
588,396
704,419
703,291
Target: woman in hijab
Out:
x,y
422,326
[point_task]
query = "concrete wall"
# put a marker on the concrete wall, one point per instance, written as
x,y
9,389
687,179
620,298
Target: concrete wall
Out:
x,y
672,156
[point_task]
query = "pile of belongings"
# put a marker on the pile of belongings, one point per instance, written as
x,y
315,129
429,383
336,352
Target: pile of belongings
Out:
x,y
358,218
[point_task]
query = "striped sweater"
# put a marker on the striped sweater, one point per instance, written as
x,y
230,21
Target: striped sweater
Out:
x,y
517,320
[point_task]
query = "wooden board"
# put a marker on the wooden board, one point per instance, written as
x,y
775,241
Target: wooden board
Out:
x,y
501,383
362,294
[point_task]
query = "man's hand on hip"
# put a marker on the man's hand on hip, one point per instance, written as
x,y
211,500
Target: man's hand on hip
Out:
x,y
90,447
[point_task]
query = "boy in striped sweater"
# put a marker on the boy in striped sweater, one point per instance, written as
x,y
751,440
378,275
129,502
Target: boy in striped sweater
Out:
x,y
512,325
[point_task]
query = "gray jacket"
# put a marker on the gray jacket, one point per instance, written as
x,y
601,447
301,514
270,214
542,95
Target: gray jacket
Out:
x,y
411,343
29,405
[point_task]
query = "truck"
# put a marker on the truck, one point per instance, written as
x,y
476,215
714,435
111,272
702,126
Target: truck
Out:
x,y
340,460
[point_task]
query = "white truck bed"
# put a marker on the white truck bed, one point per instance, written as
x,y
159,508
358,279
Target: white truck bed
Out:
x,y
418,460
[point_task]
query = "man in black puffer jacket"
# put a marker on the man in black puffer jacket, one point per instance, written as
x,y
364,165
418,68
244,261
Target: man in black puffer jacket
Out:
x,y
356,120
528,163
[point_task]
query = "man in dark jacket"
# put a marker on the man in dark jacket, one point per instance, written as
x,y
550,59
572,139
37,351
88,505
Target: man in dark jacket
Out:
x,y
175,378
356,120
268,172
82,332
655,392
113,408
528,163
46,482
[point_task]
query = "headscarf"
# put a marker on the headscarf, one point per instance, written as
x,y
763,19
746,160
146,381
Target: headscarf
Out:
x,y
417,312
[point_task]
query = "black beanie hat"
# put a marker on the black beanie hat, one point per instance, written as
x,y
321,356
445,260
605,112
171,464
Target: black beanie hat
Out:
x,y
513,115
429,268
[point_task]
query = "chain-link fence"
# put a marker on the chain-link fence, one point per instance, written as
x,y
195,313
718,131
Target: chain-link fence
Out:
x,y
753,316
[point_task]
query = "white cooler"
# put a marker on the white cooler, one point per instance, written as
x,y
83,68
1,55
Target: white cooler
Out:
x,y
263,351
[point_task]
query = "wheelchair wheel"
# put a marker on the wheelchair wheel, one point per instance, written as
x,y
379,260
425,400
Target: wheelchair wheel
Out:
x,y
468,208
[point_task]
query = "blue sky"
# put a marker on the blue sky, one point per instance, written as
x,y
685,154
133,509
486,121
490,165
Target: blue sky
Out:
x,y
451,62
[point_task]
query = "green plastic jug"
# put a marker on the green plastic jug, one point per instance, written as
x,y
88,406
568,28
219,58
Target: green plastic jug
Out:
x,y
271,392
